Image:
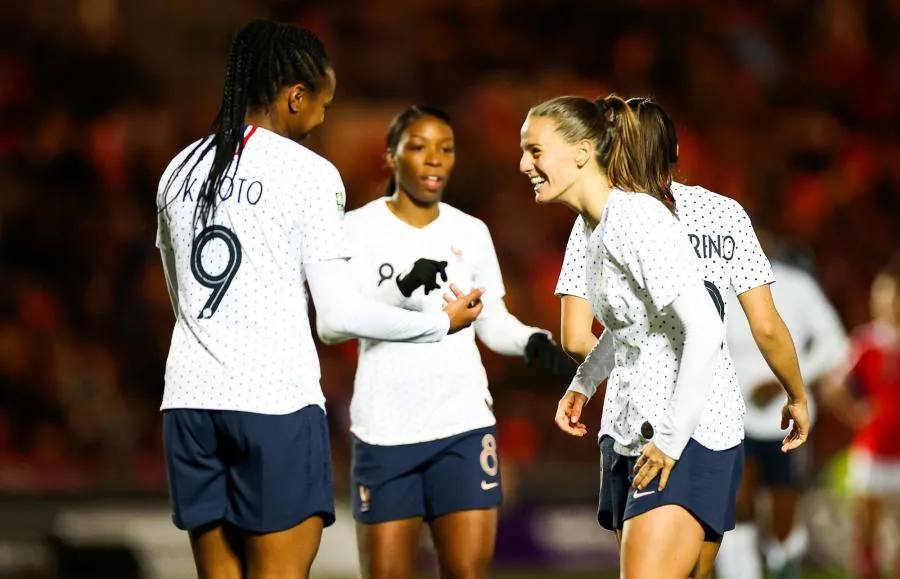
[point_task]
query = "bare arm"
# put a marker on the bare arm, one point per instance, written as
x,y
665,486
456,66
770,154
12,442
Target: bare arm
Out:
x,y
576,327
774,340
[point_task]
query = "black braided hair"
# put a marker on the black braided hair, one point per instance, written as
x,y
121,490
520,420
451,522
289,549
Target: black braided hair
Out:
x,y
264,57
398,126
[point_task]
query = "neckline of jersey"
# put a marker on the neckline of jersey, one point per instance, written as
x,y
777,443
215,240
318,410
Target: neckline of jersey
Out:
x,y
391,214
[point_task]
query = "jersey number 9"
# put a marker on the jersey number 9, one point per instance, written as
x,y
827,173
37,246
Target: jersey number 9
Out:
x,y
218,282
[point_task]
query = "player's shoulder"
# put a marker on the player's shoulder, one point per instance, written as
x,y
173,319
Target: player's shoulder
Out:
x,y
294,162
632,205
631,215
709,198
367,212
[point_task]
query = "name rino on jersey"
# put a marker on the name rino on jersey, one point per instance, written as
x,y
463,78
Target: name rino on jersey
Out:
x,y
730,261
242,338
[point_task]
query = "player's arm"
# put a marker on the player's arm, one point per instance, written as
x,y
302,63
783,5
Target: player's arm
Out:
x,y
342,307
343,311
167,255
774,340
576,327
751,285
497,328
596,367
576,317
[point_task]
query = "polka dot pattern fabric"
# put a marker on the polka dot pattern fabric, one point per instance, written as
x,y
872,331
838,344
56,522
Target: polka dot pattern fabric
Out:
x,y
633,287
242,338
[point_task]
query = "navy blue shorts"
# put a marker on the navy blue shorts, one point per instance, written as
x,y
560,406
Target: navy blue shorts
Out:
x,y
705,482
776,468
259,472
426,479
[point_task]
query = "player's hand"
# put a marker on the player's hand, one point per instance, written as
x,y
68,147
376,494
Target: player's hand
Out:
x,y
568,413
765,393
795,414
464,309
543,350
652,462
424,273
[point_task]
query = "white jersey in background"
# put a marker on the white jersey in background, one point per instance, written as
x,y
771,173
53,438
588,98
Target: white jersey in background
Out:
x,y
730,258
242,338
819,337
407,393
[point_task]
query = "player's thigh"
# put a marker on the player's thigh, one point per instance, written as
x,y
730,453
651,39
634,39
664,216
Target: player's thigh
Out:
x,y
286,554
662,543
217,551
387,482
280,472
464,475
465,542
196,473
388,498
704,482
389,550
707,562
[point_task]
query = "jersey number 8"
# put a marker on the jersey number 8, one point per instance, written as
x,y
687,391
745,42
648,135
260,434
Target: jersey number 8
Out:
x,y
218,282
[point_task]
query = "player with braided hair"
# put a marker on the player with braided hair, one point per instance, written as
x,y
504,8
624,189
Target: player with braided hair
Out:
x,y
247,216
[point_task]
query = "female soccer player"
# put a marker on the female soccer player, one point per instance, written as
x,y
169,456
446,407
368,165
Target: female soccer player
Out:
x,y
722,236
246,216
673,393
424,436
866,394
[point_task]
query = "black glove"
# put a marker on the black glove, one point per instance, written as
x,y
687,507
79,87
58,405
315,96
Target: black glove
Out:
x,y
424,272
542,349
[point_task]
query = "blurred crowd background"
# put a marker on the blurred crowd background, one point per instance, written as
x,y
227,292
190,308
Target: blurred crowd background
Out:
x,y
789,106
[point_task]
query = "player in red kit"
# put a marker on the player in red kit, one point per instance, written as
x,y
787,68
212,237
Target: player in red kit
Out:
x,y
866,394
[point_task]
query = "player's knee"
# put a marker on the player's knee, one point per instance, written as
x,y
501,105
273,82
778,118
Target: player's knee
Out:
x,y
224,569
470,566
277,571
388,568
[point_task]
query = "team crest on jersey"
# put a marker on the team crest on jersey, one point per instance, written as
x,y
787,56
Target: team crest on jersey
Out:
x,y
341,200
364,496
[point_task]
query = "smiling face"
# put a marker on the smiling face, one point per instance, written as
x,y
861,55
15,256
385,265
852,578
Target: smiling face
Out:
x,y
547,159
423,160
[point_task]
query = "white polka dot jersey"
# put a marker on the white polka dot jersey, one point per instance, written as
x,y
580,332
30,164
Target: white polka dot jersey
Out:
x,y
242,338
722,248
